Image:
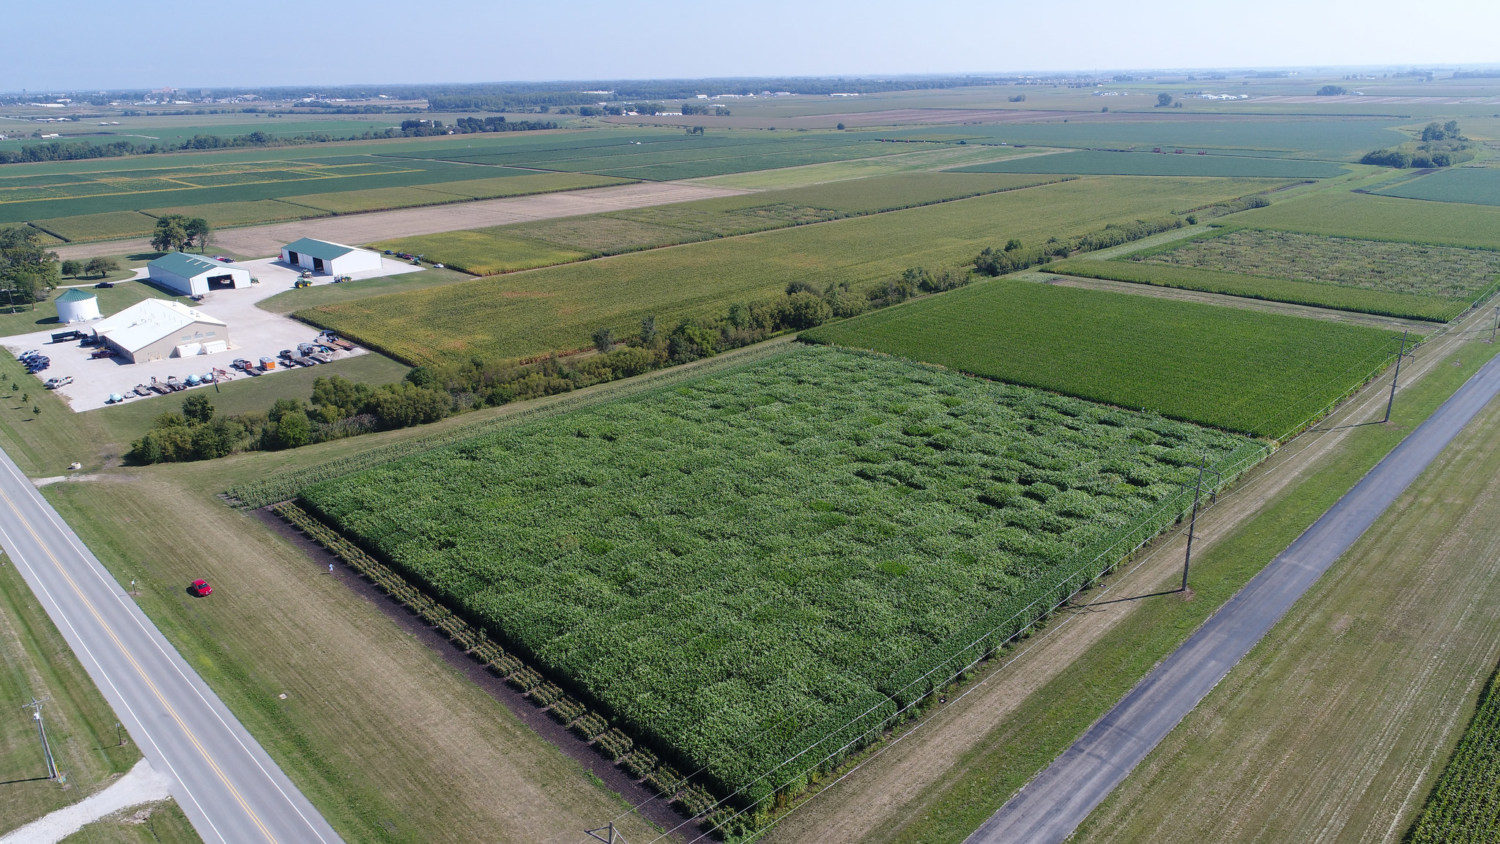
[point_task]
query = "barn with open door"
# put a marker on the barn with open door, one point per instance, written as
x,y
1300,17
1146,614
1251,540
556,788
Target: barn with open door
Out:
x,y
195,275
321,256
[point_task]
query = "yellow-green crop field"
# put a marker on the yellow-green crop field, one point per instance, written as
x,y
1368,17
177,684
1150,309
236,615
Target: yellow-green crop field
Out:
x,y
537,312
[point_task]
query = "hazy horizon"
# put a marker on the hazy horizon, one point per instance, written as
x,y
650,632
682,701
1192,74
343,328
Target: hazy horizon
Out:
x,y
341,42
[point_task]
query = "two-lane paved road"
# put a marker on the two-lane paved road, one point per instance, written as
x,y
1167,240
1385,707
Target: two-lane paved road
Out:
x,y
225,783
1051,806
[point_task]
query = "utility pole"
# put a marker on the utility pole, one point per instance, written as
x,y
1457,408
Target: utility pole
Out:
x,y
614,834
1392,400
1187,559
1496,325
36,713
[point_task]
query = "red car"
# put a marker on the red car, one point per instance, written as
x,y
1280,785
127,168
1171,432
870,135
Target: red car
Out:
x,y
201,588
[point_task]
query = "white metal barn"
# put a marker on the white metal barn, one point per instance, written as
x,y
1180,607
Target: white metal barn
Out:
x,y
194,275
321,256
154,329
76,305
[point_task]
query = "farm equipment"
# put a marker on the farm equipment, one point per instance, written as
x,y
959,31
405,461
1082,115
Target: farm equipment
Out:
x,y
141,390
175,384
267,364
65,336
302,282
158,388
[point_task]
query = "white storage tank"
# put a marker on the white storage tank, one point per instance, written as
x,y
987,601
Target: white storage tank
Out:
x,y
76,305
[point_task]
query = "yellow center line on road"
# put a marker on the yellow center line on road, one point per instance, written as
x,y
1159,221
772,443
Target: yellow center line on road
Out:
x,y
203,751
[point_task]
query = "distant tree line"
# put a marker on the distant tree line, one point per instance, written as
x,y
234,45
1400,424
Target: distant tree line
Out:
x,y
1439,145
470,125
80,150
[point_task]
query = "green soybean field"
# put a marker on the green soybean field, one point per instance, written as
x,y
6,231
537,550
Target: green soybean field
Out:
x,y
1262,374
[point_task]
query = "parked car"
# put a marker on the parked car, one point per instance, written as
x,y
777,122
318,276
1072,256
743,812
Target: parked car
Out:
x,y
105,352
105,284
225,258
285,354
54,383
200,588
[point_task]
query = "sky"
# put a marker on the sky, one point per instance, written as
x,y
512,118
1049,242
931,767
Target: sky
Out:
x,y
104,44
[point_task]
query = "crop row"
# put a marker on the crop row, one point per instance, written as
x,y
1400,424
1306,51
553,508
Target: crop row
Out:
x,y
1146,163
1464,804
1445,272
1236,369
588,725
1335,297
759,571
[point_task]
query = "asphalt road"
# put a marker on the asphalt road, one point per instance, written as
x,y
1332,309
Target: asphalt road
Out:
x,y
1051,806
225,783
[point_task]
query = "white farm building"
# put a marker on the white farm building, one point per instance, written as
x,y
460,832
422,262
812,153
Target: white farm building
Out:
x,y
76,305
154,329
194,275
321,256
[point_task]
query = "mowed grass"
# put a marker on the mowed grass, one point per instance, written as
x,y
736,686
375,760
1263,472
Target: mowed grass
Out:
x,y
559,307
43,316
1262,374
884,516
1381,218
1475,185
35,662
526,245
1332,296
1145,163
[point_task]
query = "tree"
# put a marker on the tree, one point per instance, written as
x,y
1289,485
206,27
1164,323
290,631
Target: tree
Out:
x,y
197,408
101,266
1332,91
170,234
1163,100
840,127
604,339
197,230
648,329
26,269
72,268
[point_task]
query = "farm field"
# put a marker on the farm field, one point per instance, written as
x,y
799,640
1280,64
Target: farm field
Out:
x,y
1339,723
526,245
1448,272
1147,163
673,155
942,781
943,155
1331,139
1332,296
852,477
1476,185
1262,374
1340,214
559,307
1465,800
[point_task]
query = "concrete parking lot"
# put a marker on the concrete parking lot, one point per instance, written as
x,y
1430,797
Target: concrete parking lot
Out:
x,y
253,333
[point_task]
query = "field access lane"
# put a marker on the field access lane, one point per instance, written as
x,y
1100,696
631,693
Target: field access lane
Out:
x,y
225,783
1051,806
